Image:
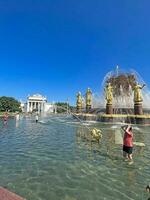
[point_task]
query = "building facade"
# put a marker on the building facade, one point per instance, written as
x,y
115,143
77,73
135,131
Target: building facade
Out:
x,y
38,103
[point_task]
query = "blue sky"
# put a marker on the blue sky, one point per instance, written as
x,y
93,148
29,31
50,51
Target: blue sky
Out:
x,y
59,47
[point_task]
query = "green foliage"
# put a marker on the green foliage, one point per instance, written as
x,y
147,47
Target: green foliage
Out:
x,y
62,107
9,104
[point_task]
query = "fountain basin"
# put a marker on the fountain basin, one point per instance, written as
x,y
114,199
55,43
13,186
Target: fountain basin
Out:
x,y
126,118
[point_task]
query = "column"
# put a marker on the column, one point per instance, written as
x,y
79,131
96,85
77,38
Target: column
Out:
x,y
31,108
28,106
40,106
43,106
138,108
36,106
109,109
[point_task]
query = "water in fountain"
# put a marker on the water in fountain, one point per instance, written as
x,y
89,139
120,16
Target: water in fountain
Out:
x,y
51,161
123,83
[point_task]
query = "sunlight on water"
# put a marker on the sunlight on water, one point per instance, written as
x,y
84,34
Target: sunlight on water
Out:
x,y
54,160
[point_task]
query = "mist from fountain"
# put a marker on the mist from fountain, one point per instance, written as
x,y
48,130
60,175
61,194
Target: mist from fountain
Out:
x,y
123,82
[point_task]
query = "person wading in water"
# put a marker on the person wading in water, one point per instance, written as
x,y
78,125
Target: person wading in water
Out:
x,y
128,143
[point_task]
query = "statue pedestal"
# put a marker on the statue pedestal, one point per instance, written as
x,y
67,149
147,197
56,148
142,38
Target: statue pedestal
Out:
x,y
109,109
79,109
88,108
138,109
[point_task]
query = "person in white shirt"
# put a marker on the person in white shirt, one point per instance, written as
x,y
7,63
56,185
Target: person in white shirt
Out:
x,y
36,118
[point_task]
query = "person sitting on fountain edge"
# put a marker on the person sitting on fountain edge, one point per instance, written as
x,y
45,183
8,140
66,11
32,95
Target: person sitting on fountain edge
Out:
x,y
128,143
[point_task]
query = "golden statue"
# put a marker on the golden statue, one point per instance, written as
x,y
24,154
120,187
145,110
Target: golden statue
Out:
x,y
137,92
88,98
109,93
79,101
96,134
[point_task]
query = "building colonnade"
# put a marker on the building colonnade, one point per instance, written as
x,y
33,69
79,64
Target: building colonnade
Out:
x,y
38,106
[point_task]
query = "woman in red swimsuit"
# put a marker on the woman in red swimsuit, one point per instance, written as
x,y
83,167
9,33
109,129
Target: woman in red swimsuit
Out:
x,y
128,143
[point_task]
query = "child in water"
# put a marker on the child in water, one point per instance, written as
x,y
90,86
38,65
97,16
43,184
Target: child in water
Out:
x,y
128,143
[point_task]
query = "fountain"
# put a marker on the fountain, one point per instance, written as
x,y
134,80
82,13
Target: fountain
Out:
x,y
124,99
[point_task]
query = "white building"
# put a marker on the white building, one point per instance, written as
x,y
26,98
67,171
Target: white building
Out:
x,y
39,104
23,106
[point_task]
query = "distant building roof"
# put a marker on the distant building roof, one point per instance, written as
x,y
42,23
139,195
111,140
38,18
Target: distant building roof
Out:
x,y
37,97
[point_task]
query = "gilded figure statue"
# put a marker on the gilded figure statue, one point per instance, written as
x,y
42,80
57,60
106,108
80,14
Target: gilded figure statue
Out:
x,y
137,92
88,97
79,100
109,93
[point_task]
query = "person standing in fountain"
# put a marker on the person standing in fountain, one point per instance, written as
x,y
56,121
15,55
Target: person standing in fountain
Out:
x,y
36,118
128,143
137,92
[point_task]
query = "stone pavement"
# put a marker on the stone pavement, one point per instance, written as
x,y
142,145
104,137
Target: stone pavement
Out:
x,y
7,195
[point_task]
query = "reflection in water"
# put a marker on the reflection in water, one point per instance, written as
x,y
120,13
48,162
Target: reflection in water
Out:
x,y
17,124
110,137
86,143
131,177
139,137
111,150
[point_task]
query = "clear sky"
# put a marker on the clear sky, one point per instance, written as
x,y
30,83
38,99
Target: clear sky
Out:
x,y
59,47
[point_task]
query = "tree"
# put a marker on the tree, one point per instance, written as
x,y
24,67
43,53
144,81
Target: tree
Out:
x,y
9,104
63,107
